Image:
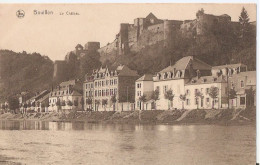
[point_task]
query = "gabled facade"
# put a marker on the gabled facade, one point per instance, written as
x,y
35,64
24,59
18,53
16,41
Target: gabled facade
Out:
x,y
175,77
65,96
104,83
197,92
144,87
244,84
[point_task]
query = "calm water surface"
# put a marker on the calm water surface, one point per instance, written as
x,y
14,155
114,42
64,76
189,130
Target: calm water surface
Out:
x,y
30,142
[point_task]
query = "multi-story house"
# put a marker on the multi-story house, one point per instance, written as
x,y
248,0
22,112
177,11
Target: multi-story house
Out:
x,y
244,84
30,104
66,96
42,104
198,91
144,87
194,79
104,84
173,78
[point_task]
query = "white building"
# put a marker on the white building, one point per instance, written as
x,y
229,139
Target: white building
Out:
x,y
175,77
104,84
144,87
65,97
202,85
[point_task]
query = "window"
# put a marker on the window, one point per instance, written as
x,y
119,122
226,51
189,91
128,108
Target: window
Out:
x,y
207,100
115,81
242,100
207,91
115,91
86,86
95,93
165,88
107,82
95,84
196,101
242,84
187,92
187,101
196,90
86,93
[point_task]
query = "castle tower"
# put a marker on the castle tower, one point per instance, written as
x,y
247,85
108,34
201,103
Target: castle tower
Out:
x,y
123,39
167,32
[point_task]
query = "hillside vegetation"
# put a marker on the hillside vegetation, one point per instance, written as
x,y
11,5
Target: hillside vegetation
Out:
x,y
23,72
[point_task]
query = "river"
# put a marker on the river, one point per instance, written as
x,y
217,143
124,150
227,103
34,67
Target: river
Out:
x,y
37,142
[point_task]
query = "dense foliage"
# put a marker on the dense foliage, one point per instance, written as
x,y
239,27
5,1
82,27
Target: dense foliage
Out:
x,y
21,72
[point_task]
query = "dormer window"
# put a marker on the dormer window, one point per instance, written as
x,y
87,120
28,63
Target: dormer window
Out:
x,y
169,75
204,80
165,76
158,76
242,84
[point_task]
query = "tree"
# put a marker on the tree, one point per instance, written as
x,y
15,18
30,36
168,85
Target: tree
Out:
x,y
89,102
69,103
250,96
58,104
43,107
37,104
97,102
155,95
82,103
142,99
169,96
198,95
213,93
13,103
29,105
113,100
76,103
183,99
104,103
200,12
3,106
25,105
244,22
232,95
63,103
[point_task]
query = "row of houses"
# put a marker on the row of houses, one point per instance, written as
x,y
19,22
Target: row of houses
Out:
x,y
190,84
190,81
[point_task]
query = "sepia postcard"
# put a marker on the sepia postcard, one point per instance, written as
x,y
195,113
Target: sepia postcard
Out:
x,y
128,83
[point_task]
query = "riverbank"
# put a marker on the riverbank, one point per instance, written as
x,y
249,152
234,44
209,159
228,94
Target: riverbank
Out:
x,y
223,116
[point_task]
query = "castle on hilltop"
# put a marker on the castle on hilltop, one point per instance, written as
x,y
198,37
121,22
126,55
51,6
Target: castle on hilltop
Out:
x,y
144,32
151,30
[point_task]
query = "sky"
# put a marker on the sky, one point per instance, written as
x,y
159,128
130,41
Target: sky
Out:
x,y
55,35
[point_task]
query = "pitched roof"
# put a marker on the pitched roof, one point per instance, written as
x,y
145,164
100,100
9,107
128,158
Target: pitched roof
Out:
x,y
146,77
206,80
75,93
125,71
250,77
46,96
66,83
151,15
228,66
79,46
184,62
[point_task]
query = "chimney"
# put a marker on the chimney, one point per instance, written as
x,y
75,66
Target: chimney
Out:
x,y
198,74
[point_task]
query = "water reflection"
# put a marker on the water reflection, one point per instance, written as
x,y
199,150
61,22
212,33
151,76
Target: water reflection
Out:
x,y
40,142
